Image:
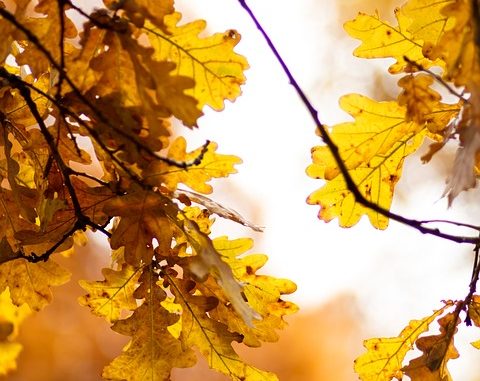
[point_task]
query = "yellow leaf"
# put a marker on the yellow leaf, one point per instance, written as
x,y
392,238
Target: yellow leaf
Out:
x,y
30,282
153,351
212,338
212,165
438,349
427,21
8,356
137,10
382,40
109,297
373,148
11,316
46,27
457,46
264,293
418,97
215,79
208,261
384,356
142,219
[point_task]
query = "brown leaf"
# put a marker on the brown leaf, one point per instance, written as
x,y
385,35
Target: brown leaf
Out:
x,y
437,351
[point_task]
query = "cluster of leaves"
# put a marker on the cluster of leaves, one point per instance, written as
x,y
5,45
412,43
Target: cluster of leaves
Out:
x,y
86,101
362,160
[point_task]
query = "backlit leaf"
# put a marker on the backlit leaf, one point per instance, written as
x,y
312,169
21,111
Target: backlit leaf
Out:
x,y
216,79
384,357
213,339
437,351
382,40
212,165
31,283
109,297
153,351
373,148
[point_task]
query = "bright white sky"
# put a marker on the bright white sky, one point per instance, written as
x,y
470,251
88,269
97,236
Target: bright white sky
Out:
x,y
398,274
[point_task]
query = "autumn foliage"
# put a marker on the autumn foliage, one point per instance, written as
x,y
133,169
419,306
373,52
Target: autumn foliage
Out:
x,y
434,43
86,104
88,100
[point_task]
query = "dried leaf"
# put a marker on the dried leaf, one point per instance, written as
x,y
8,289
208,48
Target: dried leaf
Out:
x,y
438,349
216,208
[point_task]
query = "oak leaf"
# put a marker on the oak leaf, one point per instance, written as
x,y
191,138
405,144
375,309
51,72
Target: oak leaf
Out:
x,y
418,97
215,79
384,357
109,297
264,293
382,40
138,10
211,337
211,165
438,350
31,283
141,220
153,351
456,46
373,148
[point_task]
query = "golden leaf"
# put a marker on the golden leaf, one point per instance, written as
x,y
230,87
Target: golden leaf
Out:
x,y
215,79
382,40
264,293
109,297
11,316
30,283
438,349
384,357
418,97
211,165
138,10
211,337
373,148
142,219
153,351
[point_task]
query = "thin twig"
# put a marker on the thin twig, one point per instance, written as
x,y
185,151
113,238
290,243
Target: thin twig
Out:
x,y
438,78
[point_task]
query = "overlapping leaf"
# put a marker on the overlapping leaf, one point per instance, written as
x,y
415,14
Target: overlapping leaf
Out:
x,y
153,351
264,293
384,357
31,283
211,165
212,338
142,219
211,61
437,351
108,298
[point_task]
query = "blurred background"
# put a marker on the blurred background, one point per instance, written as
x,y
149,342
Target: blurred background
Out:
x,y
352,283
